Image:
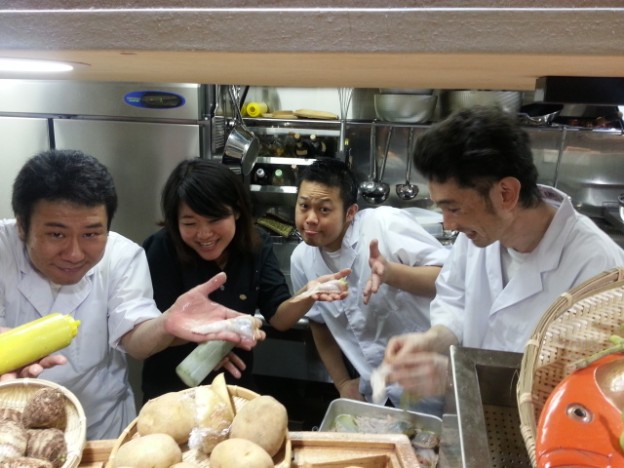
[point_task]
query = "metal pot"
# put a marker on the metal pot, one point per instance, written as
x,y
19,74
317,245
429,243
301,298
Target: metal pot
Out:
x,y
242,144
621,202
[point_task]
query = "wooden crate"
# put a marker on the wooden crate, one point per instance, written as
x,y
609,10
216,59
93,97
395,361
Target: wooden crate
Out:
x,y
312,450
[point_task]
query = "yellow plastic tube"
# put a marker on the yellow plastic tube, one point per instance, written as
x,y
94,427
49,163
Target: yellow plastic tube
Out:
x,y
34,340
256,109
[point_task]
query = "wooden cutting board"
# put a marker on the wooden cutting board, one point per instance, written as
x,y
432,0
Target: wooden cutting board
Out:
x,y
315,114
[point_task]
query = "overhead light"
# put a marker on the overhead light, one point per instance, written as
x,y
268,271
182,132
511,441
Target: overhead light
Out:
x,y
19,65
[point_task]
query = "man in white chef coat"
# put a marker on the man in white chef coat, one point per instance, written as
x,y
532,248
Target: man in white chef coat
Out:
x,y
336,236
58,255
520,245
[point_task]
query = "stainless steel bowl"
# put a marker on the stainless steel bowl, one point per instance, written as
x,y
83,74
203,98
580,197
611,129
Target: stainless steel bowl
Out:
x,y
405,108
508,101
406,90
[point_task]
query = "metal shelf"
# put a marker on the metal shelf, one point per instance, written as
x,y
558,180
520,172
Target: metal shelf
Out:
x,y
285,161
274,189
263,126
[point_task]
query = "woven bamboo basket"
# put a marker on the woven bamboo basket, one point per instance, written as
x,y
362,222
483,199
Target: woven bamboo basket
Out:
x,y
16,393
240,396
577,325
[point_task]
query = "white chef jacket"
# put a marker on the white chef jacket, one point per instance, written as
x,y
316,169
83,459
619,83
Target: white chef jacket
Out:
x,y
113,297
473,303
363,331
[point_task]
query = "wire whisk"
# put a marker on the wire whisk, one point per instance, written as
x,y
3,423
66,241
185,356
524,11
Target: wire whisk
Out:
x,y
344,98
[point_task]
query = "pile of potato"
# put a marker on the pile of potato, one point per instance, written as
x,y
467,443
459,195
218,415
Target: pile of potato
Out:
x,y
205,421
34,437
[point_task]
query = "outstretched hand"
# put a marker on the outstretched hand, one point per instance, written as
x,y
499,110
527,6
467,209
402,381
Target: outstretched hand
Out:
x,y
328,295
34,369
194,309
378,265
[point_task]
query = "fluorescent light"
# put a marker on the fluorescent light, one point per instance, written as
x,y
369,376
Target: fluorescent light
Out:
x,y
33,66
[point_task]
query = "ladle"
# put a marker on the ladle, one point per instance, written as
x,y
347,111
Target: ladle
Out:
x,y
368,186
380,192
408,191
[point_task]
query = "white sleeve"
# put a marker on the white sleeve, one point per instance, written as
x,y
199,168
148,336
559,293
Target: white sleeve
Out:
x,y
448,306
130,300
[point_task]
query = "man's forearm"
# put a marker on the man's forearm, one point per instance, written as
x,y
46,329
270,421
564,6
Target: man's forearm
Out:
x,y
330,353
418,280
147,338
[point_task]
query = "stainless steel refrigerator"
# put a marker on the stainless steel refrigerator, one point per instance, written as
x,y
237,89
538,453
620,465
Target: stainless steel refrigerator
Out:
x,y
139,131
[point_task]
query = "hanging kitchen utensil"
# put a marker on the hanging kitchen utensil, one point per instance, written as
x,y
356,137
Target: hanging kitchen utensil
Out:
x,y
344,97
368,186
408,191
381,191
241,144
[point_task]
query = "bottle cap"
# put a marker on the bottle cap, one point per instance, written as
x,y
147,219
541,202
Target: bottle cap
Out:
x,y
73,325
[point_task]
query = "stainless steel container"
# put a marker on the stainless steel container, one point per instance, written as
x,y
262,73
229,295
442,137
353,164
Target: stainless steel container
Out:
x,y
355,408
481,424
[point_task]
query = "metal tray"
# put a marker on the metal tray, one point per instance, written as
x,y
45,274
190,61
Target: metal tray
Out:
x,y
426,422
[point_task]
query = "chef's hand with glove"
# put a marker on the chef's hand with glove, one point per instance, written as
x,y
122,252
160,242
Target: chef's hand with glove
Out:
x,y
419,361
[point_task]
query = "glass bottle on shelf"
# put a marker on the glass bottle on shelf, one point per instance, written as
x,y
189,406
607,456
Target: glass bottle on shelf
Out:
x,y
319,148
283,175
276,147
304,148
290,143
261,175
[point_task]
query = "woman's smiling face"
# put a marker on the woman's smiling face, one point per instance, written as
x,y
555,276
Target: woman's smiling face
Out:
x,y
209,237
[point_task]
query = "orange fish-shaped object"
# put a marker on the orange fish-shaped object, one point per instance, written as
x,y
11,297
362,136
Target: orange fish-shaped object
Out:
x,y
581,423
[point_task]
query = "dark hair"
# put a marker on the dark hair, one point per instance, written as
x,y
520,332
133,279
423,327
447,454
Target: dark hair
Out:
x,y
62,175
332,173
476,148
210,189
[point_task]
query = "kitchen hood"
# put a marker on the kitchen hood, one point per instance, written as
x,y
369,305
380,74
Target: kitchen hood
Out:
x,y
600,91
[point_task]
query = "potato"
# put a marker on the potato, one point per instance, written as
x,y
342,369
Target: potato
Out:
x,y
150,451
263,420
212,420
240,452
171,413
